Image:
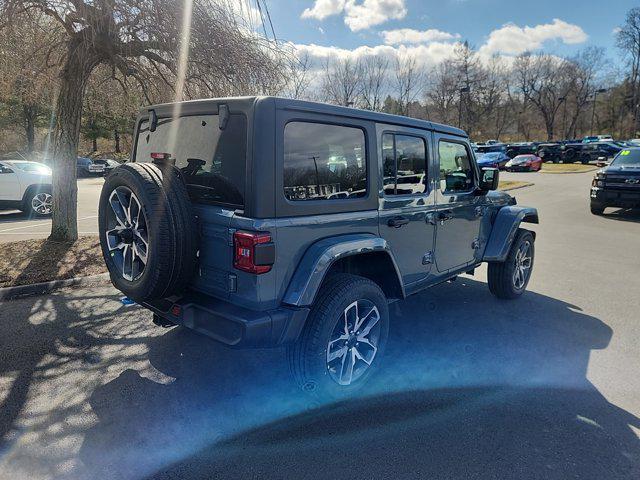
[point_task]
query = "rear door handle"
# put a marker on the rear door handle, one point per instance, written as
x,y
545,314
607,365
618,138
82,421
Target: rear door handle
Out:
x,y
397,222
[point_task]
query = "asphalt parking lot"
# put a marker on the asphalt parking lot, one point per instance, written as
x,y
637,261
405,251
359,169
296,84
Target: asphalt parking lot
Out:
x,y
546,386
15,225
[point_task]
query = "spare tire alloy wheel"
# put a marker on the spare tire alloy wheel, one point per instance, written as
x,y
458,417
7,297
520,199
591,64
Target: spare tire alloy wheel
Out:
x,y
126,235
42,203
354,342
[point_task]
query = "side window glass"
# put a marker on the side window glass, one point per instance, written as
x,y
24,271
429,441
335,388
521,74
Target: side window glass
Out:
x,y
456,172
411,165
324,162
389,164
404,164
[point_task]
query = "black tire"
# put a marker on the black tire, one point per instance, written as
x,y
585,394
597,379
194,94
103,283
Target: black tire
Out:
x,y
597,208
308,356
28,201
569,156
584,159
170,229
501,274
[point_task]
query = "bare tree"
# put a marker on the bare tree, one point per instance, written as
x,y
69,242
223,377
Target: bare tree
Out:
x,y
342,81
628,40
408,83
27,77
374,82
543,81
141,39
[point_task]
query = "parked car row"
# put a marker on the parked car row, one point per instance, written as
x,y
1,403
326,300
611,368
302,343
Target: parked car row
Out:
x,y
89,167
589,149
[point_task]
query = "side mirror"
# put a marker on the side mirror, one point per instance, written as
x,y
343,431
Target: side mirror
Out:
x,y
490,179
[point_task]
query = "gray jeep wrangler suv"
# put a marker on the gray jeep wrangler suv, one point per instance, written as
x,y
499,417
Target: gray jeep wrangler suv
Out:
x,y
264,221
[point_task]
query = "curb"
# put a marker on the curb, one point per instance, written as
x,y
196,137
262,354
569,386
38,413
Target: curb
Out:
x,y
568,173
516,187
10,293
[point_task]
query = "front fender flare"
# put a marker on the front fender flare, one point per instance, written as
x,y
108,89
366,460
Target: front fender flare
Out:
x,y
504,229
319,257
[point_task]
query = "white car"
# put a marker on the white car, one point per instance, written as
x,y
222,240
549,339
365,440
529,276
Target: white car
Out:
x,y
25,186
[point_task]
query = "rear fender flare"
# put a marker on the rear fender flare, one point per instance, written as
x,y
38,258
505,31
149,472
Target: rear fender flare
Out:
x,y
504,229
319,258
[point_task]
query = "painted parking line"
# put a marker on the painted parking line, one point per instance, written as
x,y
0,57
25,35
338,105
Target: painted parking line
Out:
x,y
40,224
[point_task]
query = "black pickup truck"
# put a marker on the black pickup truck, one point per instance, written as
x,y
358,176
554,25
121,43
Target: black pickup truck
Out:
x,y
617,185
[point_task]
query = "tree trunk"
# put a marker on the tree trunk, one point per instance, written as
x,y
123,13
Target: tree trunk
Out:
x,y
116,138
29,127
77,69
94,144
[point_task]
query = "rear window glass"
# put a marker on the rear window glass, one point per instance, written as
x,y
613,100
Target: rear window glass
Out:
x,y
324,162
213,161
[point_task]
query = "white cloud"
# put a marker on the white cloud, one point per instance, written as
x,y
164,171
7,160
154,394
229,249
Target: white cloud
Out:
x,y
358,14
425,55
324,8
408,35
514,40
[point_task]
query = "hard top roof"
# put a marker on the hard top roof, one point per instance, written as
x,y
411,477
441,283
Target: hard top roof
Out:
x,y
307,106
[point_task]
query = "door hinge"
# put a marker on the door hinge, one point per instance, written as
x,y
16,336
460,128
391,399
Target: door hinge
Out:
x,y
480,211
475,244
427,259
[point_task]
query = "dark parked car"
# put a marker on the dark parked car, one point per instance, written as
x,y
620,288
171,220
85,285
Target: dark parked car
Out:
x,y
589,152
617,185
526,148
493,160
281,222
550,152
108,164
491,147
86,167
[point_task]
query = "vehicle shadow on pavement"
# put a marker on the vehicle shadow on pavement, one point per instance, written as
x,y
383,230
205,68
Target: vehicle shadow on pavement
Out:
x,y
623,214
16,216
472,387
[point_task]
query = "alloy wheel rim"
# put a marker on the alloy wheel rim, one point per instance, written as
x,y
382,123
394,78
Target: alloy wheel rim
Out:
x,y
127,233
522,265
42,203
354,342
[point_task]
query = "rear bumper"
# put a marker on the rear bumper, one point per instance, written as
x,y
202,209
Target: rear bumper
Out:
x,y
615,198
231,324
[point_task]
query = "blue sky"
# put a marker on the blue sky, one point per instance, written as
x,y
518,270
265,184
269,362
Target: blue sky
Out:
x,y
560,27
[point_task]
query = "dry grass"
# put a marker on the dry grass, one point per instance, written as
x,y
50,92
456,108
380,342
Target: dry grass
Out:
x,y
34,261
567,168
506,185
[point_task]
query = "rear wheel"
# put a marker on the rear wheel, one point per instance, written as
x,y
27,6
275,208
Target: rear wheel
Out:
x,y
509,279
344,338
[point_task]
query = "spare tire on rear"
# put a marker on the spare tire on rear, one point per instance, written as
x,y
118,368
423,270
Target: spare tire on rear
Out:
x,y
148,231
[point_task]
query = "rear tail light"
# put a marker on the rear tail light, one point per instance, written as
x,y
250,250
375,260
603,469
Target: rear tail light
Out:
x,y
253,252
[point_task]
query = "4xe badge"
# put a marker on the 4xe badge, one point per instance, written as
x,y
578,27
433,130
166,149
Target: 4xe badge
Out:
x,y
632,181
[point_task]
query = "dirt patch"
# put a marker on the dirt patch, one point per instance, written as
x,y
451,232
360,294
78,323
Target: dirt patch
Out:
x,y
506,185
35,261
567,168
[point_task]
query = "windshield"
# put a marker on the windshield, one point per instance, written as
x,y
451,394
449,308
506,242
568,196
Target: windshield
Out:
x,y
627,157
213,161
33,167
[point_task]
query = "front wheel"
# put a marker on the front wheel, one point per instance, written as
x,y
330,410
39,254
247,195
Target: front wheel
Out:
x,y
38,202
344,338
596,208
509,279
